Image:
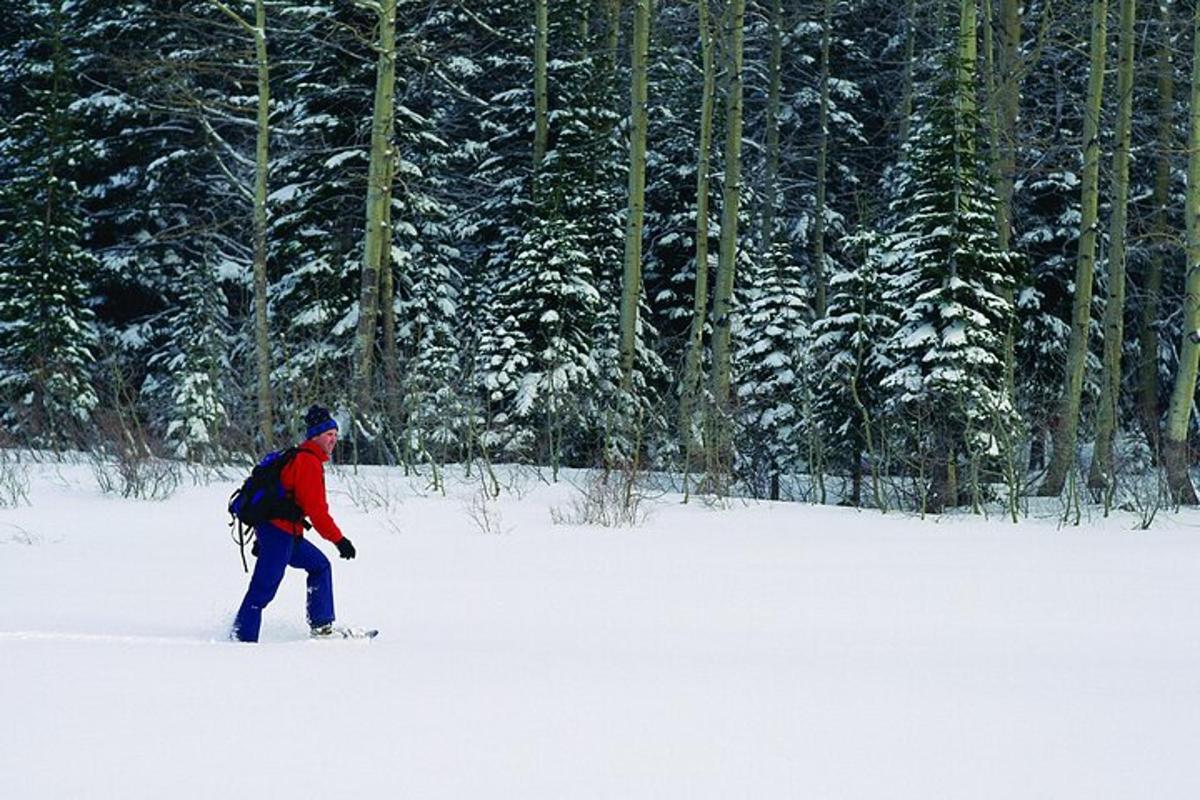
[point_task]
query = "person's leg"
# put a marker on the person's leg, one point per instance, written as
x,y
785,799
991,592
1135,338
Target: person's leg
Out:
x,y
308,557
274,552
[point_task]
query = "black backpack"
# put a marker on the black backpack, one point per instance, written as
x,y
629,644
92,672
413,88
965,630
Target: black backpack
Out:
x,y
262,498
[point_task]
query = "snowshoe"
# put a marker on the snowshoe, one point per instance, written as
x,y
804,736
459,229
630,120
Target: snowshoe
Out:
x,y
331,631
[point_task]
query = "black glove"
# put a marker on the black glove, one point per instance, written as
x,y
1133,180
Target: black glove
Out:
x,y
345,549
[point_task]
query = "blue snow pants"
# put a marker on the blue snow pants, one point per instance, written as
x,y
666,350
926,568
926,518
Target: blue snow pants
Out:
x,y
278,550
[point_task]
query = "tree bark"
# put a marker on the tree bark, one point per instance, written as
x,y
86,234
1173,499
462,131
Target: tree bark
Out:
x,y
262,339
989,70
1066,428
691,372
631,287
906,94
387,310
819,288
541,103
1176,456
1148,396
1006,102
727,257
1101,475
379,193
771,178
968,64
614,30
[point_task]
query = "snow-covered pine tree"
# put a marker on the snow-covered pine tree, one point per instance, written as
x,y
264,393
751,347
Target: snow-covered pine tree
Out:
x,y
47,327
848,343
319,178
577,210
492,63
437,410
947,380
771,355
586,175
440,313
153,223
496,138
190,376
183,153
855,117
537,365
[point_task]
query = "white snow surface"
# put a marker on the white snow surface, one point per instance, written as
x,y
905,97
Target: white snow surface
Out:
x,y
762,650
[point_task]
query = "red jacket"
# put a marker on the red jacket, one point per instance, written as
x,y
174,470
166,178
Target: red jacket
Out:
x,y
304,479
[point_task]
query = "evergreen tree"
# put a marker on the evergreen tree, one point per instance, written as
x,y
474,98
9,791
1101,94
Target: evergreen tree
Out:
x,y
157,221
317,210
319,177
47,328
537,366
946,273
437,410
195,410
849,344
773,337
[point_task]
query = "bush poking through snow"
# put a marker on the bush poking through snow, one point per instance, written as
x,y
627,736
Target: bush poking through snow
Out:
x,y
372,493
14,481
124,462
483,511
608,498
138,477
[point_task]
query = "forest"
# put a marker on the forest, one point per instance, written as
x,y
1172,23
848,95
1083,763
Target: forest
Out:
x,y
915,254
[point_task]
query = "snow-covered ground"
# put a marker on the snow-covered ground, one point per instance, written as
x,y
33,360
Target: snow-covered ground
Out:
x,y
756,651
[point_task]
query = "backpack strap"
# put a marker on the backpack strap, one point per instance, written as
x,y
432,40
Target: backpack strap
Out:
x,y
241,534
286,458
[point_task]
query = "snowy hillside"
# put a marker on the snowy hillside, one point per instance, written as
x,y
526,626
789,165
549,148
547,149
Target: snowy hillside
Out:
x,y
755,651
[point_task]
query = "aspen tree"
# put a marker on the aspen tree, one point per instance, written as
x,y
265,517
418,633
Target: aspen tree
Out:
x,y
1066,428
541,113
968,60
1148,396
262,342
379,193
1006,100
727,256
1175,449
387,309
691,372
822,165
1101,475
613,8
771,179
631,287
906,95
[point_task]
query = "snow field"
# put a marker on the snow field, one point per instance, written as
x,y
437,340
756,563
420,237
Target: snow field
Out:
x,y
760,651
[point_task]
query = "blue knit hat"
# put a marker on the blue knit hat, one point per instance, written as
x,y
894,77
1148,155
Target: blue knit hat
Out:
x,y
318,421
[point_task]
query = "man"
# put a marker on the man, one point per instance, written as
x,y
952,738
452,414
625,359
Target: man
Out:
x,y
281,543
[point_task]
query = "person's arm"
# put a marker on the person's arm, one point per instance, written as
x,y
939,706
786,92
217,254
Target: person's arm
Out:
x,y
310,496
